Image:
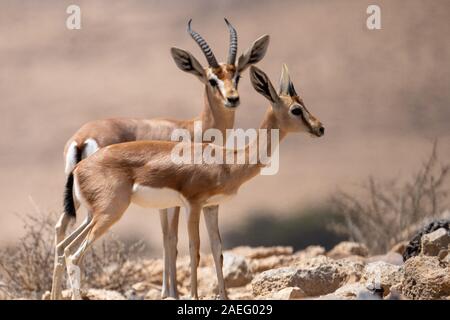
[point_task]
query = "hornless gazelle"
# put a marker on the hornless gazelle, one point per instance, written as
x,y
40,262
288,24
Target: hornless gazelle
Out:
x,y
143,172
221,100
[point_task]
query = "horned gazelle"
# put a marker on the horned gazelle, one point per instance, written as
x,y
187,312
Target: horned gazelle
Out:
x,y
221,99
142,172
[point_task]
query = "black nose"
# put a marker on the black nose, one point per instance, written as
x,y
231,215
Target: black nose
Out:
x,y
233,100
322,131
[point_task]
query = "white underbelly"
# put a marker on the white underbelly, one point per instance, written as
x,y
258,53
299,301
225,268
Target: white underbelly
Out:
x,y
158,198
163,198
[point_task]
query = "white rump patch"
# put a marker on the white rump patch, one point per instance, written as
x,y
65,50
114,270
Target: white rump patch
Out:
x,y
158,198
71,158
90,147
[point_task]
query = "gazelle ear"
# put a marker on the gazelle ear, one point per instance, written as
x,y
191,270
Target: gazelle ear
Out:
x,y
262,84
254,54
186,62
286,85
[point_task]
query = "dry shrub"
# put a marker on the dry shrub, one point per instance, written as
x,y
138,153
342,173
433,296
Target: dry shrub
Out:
x,y
389,212
26,267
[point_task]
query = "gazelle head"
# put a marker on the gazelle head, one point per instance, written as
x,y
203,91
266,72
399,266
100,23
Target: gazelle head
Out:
x,y
287,106
221,79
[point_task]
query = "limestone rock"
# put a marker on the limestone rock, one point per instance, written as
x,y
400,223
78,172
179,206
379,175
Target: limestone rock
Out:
x,y
426,278
346,249
382,276
414,246
309,252
260,265
315,277
102,294
351,291
434,242
390,257
236,270
261,252
153,294
290,293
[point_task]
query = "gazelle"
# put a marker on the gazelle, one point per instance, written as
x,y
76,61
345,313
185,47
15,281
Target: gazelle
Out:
x,y
221,99
142,172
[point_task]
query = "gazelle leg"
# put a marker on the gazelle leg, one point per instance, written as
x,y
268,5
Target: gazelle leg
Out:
x,y
212,224
173,215
60,260
78,246
75,251
193,221
165,231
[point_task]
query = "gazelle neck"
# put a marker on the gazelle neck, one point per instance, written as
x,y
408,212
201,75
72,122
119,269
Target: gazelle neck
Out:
x,y
262,145
268,146
214,114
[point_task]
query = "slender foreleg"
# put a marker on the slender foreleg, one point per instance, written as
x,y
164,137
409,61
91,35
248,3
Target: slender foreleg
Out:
x,y
212,224
193,221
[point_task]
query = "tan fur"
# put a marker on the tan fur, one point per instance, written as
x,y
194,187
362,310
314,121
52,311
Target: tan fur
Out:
x,y
105,180
218,113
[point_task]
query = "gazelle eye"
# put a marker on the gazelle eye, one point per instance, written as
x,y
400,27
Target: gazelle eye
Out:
x,y
297,112
213,82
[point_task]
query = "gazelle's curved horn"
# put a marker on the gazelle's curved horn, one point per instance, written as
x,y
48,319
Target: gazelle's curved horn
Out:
x,y
204,46
233,43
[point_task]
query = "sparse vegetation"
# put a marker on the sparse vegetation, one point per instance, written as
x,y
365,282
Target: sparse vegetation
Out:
x,y
26,267
389,212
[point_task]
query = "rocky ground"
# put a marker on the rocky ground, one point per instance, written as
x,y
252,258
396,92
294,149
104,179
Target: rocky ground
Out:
x,y
345,272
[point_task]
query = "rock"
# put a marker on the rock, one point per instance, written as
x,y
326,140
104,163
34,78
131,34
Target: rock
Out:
x,y
395,293
315,277
382,276
261,252
274,280
390,257
102,294
153,294
90,294
309,252
444,255
260,265
346,249
241,293
236,270
149,270
351,291
414,246
290,293
426,278
46,295
352,268
142,287
131,294
207,281
434,242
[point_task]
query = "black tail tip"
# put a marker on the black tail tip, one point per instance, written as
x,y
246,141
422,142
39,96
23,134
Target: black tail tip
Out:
x,y
69,205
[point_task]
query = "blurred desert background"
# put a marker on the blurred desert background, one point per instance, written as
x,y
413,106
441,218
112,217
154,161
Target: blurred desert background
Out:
x,y
382,95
